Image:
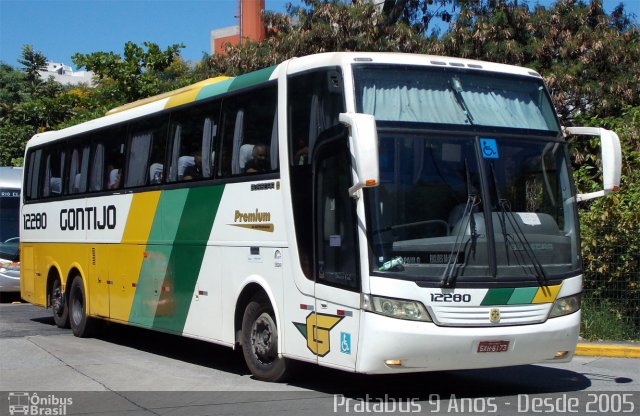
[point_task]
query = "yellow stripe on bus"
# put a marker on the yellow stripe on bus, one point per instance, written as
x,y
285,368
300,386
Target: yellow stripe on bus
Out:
x,y
126,259
189,95
141,215
546,294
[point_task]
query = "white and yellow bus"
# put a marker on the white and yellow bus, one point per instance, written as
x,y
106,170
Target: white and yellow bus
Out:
x,y
376,213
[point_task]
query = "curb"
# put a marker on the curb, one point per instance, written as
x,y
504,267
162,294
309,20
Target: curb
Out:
x,y
608,350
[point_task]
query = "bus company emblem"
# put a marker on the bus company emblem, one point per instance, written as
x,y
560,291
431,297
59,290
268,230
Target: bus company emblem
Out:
x,y
259,221
494,315
316,331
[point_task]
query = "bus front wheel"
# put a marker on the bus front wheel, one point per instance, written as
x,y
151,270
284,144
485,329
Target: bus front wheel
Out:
x,y
260,341
59,305
81,323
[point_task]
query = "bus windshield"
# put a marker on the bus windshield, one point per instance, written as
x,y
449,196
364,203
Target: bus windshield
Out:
x,y
427,220
453,96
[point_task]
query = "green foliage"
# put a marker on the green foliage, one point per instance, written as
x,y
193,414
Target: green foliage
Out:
x,y
603,321
322,26
609,225
12,141
33,62
29,104
12,85
141,73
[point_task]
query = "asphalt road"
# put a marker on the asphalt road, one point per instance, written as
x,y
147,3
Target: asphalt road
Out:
x,y
133,371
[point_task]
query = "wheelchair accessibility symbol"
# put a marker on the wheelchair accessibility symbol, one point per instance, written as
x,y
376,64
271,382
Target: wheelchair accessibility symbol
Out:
x,y
345,343
489,148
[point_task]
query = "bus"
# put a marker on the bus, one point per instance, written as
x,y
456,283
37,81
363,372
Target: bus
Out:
x,y
10,183
370,212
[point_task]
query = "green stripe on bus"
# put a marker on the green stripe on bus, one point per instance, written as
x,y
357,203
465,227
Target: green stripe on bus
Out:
x,y
156,263
251,78
498,296
523,295
189,247
214,89
167,219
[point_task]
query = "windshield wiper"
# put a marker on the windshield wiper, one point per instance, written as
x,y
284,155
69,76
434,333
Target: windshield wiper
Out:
x,y
457,93
449,274
506,213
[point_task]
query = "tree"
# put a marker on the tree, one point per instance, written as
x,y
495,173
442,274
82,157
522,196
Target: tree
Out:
x,y
419,14
609,233
590,60
33,62
140,74
320,26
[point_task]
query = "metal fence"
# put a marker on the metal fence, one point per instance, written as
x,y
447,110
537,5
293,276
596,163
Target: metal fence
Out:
x,y
611,301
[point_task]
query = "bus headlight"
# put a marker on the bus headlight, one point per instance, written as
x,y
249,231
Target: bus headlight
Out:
x,y
565,306
395,308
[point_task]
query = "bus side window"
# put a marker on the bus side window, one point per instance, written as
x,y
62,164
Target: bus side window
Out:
x,y
114,157
78,166
147,142
193,140
54,167
139,146
96,180
250,135
33,174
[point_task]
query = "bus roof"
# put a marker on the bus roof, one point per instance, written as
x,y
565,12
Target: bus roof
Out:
x,y
10,177
222,84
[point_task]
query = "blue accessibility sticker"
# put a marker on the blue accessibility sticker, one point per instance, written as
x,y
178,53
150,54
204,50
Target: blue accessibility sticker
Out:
x,y
489,148
345,342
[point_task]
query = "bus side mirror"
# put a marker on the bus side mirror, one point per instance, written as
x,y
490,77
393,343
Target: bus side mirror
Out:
x,y
611,159
363,142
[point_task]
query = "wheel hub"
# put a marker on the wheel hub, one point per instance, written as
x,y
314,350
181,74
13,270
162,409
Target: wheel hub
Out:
x,y
57,301
263,338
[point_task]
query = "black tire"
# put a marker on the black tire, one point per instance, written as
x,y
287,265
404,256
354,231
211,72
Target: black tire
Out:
x,y
59,305
260,342
81,324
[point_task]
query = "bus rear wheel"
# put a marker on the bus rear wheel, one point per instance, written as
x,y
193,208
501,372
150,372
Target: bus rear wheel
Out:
x,y
59,306
260,341
81,324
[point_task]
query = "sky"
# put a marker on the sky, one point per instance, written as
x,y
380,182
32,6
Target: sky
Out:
x,y
60,28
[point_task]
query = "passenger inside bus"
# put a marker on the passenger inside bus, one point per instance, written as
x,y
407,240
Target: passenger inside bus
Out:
x,y
194,171
259,162
114,179
156,171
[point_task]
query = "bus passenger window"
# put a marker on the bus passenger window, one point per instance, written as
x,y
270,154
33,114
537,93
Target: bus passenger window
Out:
x,y
145,158
139,145
33,174
76,181
156,167
54,166
193,135
250,133
114,162
97,178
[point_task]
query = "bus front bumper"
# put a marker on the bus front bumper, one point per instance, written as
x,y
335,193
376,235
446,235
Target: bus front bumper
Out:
x,y
389,345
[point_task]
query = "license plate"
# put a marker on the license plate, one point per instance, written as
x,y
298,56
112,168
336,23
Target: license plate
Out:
x,y
493,346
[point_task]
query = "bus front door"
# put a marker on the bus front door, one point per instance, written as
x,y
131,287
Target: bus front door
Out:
x,y
337,281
